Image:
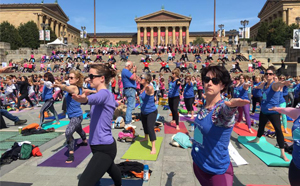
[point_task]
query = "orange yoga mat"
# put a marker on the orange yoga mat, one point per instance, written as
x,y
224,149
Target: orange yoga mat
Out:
x,y
270,127
242,130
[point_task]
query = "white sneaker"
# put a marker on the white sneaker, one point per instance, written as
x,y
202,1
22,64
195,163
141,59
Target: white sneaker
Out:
x,y
130,125
38,105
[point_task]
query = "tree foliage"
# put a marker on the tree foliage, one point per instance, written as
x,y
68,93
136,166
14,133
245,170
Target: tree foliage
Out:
x,y
275,33
29,33
198,41
122,43
9,34
103,42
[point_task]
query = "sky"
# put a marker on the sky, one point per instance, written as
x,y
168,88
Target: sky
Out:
x,y
119,15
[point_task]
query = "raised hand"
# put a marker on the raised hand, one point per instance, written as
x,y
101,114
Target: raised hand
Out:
x,y
237,102
80,98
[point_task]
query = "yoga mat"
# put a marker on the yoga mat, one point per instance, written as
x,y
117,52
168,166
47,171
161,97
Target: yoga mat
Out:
x,y
141,150
185,118
183,115
59,159
171,129
50,124
60,116
266,185
23,110
85,115
137,104
255,116
86,129
242,130
270,127
235,156
195,108
125,182
265,151
6,183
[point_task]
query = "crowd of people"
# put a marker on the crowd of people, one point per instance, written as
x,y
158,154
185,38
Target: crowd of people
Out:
x,y
104,88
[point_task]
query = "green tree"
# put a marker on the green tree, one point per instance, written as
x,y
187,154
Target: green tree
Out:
x,y
30,34
122,43
103,42
9,34
277,32
198,41
262,34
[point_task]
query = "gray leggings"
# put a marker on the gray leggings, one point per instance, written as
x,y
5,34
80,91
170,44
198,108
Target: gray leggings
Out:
x,y
48,105
74,126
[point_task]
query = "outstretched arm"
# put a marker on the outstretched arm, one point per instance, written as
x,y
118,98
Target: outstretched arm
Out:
x,y
293,113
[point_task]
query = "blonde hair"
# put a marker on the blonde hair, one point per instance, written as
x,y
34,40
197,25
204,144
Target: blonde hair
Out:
x,y
79,76
176,72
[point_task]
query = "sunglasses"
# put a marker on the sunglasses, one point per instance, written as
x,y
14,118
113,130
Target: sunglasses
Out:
x,y
215,81
71,77
92,76
270,74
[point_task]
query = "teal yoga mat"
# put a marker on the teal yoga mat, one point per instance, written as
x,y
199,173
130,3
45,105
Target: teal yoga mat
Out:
x,y
265,151
50,124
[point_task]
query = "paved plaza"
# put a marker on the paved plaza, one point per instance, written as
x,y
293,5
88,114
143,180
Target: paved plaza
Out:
x,y
172,167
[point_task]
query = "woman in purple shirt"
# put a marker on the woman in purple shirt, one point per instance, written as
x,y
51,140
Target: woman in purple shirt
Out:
x,y
102,143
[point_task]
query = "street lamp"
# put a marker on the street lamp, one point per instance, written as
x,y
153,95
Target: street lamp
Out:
x,y
221,26
214,35
244,23
43,25
298,20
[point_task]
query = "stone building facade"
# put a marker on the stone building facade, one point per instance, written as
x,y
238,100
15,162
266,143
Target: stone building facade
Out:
x,y
288,10
50,14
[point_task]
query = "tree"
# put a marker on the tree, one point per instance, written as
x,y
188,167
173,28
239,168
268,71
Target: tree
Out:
x,y
103,42
122,43
29,33
277,32
262,34
198,41
9,34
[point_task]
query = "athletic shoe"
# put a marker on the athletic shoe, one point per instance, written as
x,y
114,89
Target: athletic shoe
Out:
x,y
39,105
21,122
130,125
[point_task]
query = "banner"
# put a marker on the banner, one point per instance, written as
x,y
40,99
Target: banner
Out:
x,y
47,36
162,34
142,34
81,34
41,32
176,33
183,33
84,34
148,34
296,39
155,34
170,33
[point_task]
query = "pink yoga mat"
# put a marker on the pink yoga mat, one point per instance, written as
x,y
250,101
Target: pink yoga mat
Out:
x,y
171,129
86,129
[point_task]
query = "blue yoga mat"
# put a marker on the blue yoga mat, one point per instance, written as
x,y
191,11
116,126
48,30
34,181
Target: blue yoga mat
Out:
x,y
265,151
60,116
50,124
85,115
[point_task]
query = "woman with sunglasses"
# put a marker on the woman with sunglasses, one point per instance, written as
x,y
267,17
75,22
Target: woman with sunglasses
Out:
x,y
173,96
242,92
213,127
270,99
294,169
189,96
148,110
102,143
74,111
47,97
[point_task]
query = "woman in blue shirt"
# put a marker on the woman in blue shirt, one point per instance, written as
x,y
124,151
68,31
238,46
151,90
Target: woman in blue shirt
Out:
x,y
173,96
189,96
282,104
256,93
213,127
148,110
270,99
74,111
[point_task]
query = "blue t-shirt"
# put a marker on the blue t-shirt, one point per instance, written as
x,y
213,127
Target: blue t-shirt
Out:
x,y
297,91
296,146
285,91
47,93
242,93
270,99
189,91
281,98
256,92
173,89
73,107
147,104
127,82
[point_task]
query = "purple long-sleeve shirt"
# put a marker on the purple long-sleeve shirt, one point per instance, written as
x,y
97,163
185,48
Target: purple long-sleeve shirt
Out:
x,y
102,111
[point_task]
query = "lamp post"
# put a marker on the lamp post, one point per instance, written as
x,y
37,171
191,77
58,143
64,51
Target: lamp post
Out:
x,y
214,36
43,25
244,23
298,20
221,26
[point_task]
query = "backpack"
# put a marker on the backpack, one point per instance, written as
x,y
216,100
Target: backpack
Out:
x,y
119,123
127,135
25,152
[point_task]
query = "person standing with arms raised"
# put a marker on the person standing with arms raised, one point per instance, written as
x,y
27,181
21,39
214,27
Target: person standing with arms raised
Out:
x,y
129,90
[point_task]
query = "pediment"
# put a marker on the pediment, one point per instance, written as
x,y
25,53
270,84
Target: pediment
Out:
x,y
268,5
56,9
163,15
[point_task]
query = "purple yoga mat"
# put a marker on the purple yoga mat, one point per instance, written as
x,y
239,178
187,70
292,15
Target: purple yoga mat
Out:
x,y
255,116
185,118
59,158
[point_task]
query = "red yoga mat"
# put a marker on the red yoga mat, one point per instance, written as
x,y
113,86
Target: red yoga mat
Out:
x,y
86,129
171,128
242,130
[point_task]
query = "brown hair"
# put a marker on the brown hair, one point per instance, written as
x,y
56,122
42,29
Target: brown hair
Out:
x,y
105,70
79,76
176,71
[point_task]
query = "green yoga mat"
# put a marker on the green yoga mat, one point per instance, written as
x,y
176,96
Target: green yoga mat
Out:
x,y
141,150
265,151
50,124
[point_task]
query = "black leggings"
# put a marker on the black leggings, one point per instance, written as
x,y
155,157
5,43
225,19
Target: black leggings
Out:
x,y
200,93
148,122
275,120
162,92
254,101
173,104
294,173
74,126
189,104
24,96
101,162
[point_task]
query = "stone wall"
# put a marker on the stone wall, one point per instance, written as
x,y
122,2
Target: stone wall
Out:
x,y
292,68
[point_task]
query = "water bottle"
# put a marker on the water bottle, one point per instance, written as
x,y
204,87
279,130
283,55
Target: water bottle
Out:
x,y
192,127
146,173
112,125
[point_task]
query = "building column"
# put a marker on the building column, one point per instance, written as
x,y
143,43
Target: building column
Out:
x,y
145,35
166,35
52,25
39,22
138,35
180,35
61,30
47,21
173,35
187,35
284,12
288,12
57,29
151,37
158,36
